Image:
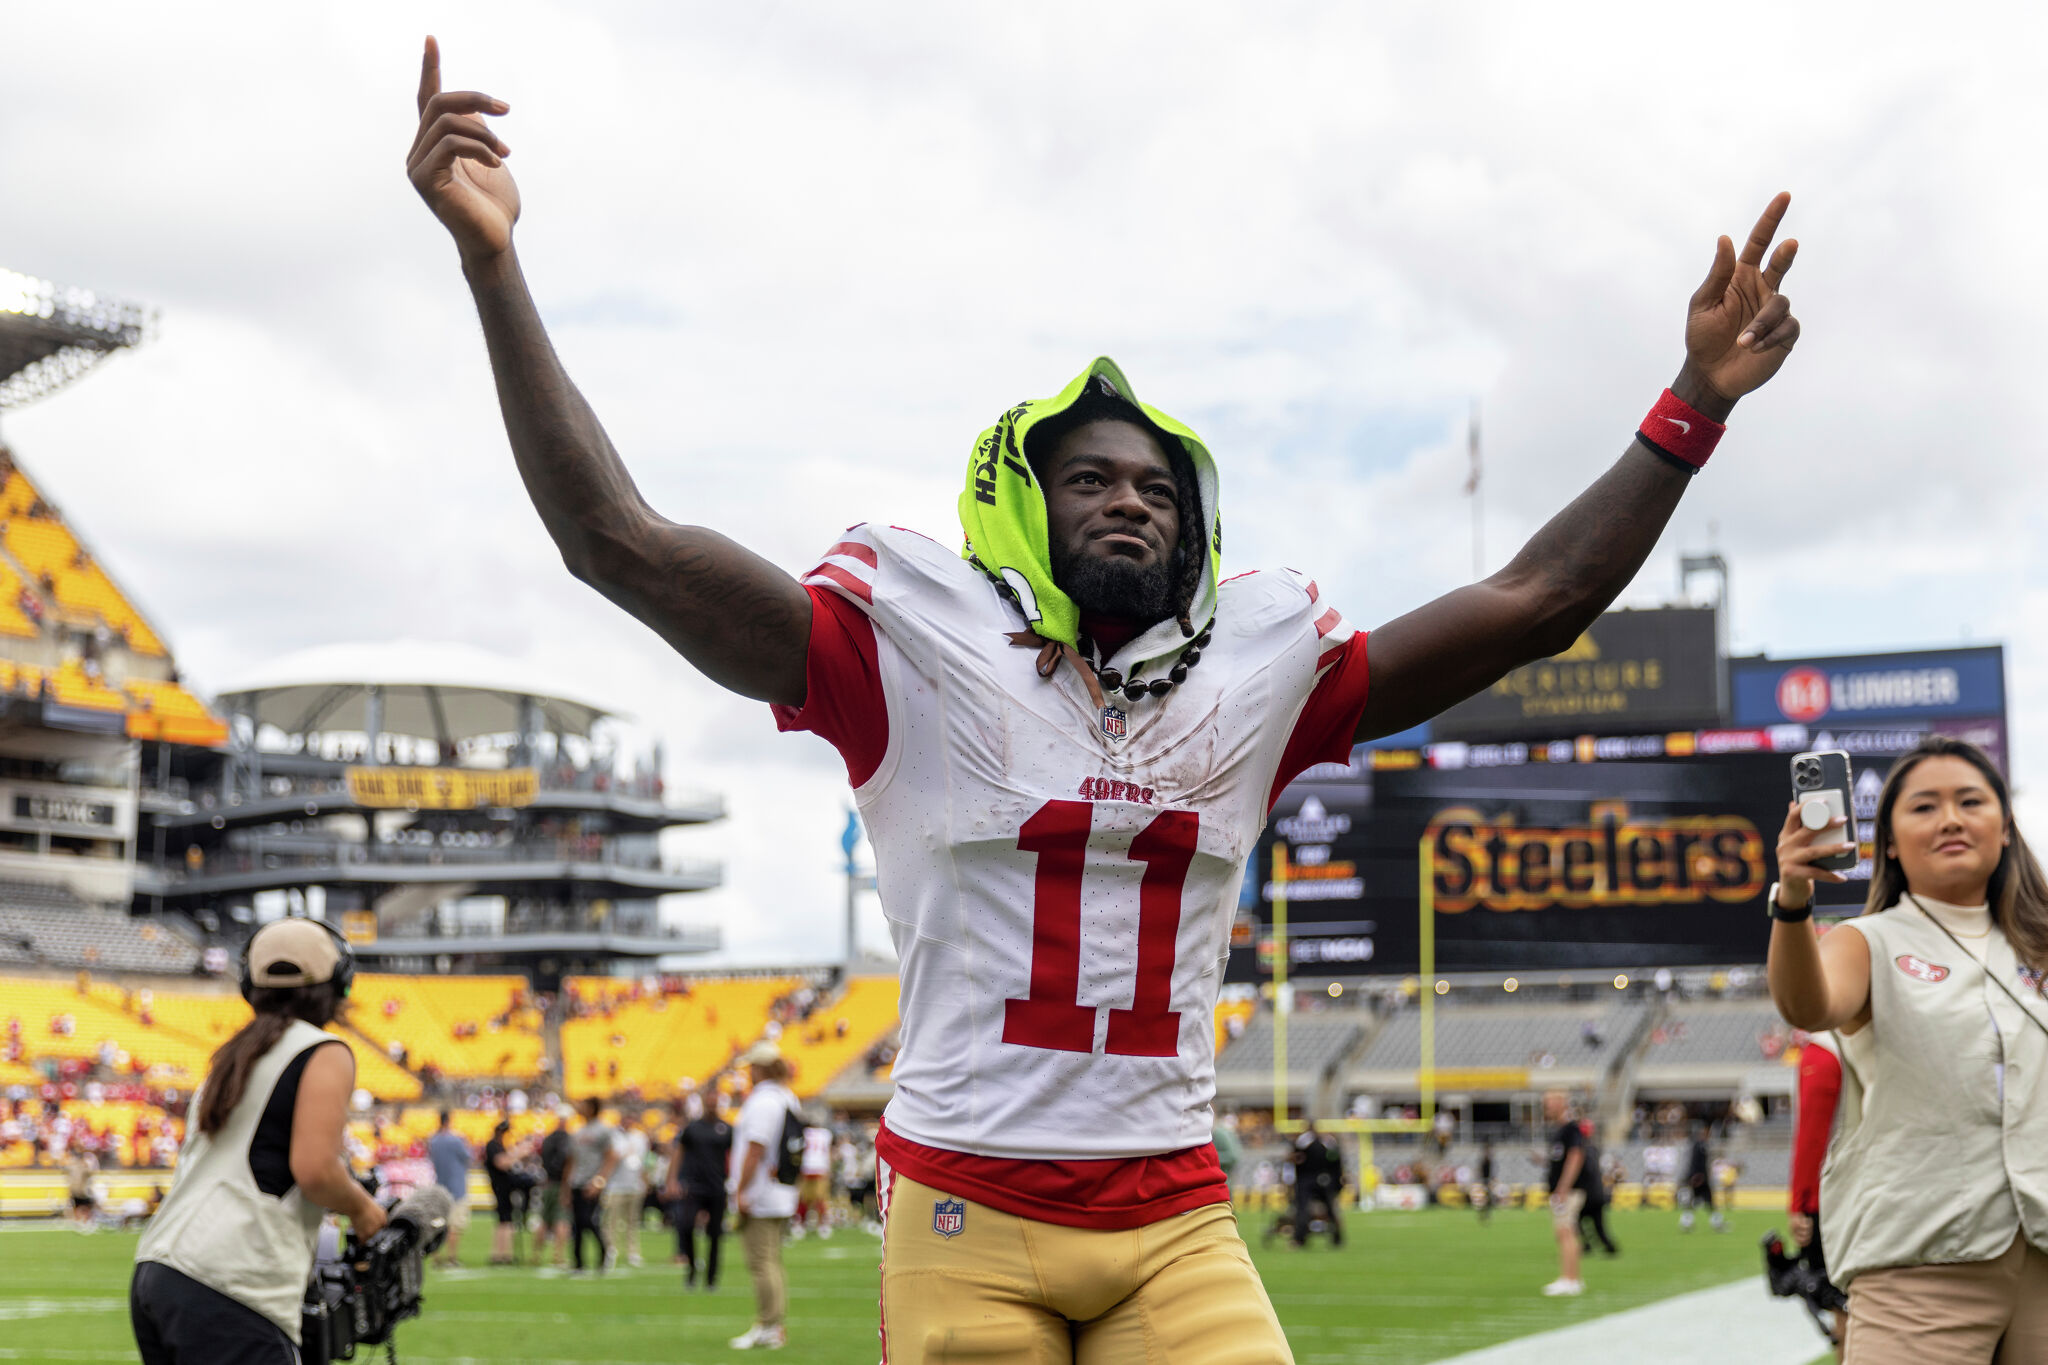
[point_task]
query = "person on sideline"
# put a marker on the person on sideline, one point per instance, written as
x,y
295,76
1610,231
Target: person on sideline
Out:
x,y
625,1198
1820,1085
222,1269
697,1172
593,1158
1934,1197
509,1186
449,1153
554,1198
762,1192
1567,1196
1698,1187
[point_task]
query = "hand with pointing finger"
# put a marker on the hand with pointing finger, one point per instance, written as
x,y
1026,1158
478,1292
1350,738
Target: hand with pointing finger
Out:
x,y
457,164
1739,328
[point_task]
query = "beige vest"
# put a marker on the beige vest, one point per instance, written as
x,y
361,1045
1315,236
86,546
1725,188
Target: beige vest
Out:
x,y
218,1228
1940,1148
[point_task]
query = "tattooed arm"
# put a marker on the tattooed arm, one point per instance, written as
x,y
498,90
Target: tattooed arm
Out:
x,y
1739,330
740,620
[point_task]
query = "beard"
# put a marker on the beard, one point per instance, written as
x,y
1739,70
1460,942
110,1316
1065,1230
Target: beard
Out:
x,y
1115,586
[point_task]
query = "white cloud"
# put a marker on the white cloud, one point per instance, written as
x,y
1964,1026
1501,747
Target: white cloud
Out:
x,y
798,255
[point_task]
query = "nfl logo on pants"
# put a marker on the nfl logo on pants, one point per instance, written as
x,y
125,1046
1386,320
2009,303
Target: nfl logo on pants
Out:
x,y
949,1216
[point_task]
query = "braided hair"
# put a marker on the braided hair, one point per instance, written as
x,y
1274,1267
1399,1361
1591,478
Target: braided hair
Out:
x,y
1097,403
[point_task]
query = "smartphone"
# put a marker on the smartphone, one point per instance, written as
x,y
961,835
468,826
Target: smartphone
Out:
x,y
1820,784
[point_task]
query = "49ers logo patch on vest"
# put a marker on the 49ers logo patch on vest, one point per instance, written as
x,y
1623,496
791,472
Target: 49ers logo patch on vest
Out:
x,y
1919,968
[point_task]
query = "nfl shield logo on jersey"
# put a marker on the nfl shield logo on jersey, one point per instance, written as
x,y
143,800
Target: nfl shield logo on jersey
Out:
x,y
1113,722
949,1216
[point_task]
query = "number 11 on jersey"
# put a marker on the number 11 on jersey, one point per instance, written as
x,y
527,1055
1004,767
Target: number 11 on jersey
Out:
x,y
1051,1016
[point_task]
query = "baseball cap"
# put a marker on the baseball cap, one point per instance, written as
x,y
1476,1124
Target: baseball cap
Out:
x,y
292,952
763,1053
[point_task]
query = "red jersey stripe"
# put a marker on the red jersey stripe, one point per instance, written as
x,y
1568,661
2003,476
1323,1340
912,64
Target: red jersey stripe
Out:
x,y
846,579
853,549
1329,620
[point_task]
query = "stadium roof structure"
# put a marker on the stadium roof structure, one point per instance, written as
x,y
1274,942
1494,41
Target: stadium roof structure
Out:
x,y
427,689
52,334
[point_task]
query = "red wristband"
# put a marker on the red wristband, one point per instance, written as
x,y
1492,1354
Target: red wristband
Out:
x,y
1674,429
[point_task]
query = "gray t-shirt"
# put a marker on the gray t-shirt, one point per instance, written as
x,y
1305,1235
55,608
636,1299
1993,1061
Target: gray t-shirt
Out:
x,y
449,1152
587,1151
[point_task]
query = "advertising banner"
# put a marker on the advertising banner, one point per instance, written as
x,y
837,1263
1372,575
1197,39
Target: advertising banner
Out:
x,y
1651,670
441,788
1866,690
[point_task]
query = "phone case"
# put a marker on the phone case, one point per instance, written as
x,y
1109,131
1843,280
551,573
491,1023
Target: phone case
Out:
x,y
1822,778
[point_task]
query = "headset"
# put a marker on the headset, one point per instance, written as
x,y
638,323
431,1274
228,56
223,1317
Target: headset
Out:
x,y
344,970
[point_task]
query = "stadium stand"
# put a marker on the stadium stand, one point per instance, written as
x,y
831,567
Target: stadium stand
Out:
x,y
839,1032
1570,1036
473,1026
1738,1032
653,1042
105,1023
46,551
47,925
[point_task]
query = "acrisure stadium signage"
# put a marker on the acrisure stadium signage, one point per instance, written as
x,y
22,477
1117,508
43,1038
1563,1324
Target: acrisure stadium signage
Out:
x,y
441,788
1657,669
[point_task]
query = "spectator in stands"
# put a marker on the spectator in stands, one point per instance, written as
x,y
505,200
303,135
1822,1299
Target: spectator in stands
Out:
x,y
449,1152
625,1197
222,1269
764,1189
554,1201
698,1169
1567,1196
593,1157
1937,993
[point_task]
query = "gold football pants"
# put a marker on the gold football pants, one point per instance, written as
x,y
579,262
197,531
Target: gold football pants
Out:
x,y
1005,1290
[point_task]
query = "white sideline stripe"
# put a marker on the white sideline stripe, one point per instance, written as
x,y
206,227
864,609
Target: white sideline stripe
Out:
x,y
1739,1321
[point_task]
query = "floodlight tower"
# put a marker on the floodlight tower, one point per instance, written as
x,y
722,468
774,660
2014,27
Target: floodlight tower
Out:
x,y
52,334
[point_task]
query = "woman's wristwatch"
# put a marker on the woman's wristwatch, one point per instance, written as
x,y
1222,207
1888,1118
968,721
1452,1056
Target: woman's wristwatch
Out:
x,y
1789,914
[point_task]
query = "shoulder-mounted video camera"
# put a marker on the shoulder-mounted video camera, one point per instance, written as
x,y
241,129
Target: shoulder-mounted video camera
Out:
x,y
361,1292
1793,1277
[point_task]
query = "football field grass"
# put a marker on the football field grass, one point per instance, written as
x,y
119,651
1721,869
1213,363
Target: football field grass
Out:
x,y
1405,1287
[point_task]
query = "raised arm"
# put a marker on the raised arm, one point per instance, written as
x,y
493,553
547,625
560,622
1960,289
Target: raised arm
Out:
x,y
739,619
1738,331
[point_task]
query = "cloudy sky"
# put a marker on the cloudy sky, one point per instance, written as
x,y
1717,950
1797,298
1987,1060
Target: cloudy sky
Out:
x,y
799,254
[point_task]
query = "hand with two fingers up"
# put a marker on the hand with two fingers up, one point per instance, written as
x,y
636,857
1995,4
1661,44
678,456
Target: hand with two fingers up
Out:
x,y
1738,328
1800,850
458,165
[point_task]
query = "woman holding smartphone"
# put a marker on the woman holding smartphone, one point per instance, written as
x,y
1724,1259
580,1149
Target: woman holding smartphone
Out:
x,y
1934,1198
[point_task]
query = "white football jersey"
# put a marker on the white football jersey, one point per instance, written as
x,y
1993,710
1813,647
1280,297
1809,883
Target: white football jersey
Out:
x,y
1060,898
817,1159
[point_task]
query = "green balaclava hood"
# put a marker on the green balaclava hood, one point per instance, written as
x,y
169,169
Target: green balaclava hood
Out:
x,y
1002,513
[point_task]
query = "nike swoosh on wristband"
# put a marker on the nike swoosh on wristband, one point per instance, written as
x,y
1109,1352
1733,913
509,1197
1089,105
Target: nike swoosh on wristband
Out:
x,y
1685,427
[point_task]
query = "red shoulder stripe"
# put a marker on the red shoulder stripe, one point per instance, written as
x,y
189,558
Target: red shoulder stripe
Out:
x,y
859,587
1328,621
853,549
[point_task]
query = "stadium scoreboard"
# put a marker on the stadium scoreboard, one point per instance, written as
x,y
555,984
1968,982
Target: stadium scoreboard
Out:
x,y
1593,852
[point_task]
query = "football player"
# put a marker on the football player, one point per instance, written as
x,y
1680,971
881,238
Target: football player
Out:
x,y
1064,741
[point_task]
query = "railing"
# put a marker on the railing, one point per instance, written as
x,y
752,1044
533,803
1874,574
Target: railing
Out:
x,y
411,856
552,779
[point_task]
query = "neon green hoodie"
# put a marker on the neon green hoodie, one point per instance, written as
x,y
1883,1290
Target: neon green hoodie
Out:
x,y
1002,513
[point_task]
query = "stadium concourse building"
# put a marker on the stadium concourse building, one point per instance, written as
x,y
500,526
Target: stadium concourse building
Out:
x,y
448,809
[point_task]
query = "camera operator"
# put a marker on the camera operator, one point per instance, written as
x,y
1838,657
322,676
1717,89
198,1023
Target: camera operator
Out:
x,y
1934,1199
222,1270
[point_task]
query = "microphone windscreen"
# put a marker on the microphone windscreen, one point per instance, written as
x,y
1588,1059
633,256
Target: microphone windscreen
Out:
x,y
426,1210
